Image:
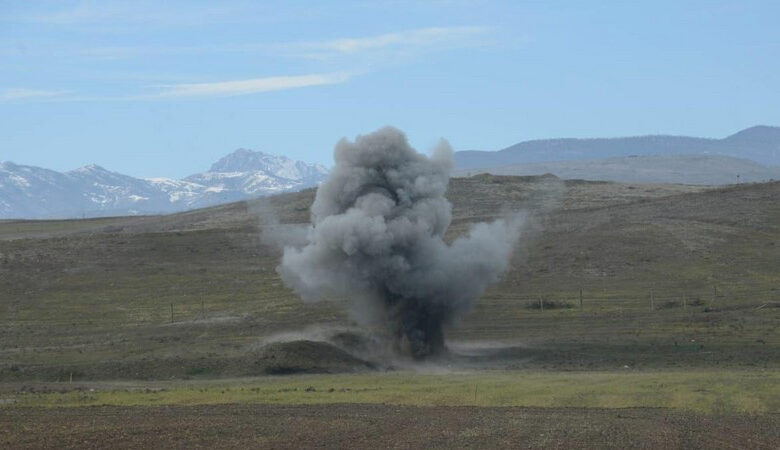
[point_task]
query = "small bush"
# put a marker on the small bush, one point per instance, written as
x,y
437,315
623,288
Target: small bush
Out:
x,y
196,371
548,304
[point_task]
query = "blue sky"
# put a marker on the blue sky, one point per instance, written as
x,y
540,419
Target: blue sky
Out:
x,y
153,88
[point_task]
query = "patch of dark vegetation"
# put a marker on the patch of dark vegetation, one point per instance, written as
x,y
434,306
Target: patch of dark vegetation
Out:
x,y
671,304
548,304
304,356
193,371
510,179
577,181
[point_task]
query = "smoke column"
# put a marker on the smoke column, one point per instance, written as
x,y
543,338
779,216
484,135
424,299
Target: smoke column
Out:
x,y
377,239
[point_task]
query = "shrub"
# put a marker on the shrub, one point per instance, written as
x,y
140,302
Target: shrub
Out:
x,y
548,304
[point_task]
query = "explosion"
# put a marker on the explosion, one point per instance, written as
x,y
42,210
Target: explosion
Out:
x,y
377,238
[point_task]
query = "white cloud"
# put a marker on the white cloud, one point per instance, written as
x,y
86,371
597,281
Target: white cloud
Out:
x,y
25,94
357,55
420,38
416,40
251,86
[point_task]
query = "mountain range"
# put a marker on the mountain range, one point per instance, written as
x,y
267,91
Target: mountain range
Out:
x,y
760,144
30,192
90,191
700,169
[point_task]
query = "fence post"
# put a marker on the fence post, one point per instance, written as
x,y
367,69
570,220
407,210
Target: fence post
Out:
x,y
541,303
652,299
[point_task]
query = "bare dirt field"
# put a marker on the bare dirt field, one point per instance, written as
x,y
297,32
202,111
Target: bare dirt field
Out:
x,y
362,426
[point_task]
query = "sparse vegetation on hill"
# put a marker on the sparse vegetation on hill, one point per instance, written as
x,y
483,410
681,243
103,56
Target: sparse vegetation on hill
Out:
x,y
148,297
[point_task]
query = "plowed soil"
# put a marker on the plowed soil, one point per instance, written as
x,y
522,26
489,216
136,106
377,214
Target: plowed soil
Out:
x,y
379,426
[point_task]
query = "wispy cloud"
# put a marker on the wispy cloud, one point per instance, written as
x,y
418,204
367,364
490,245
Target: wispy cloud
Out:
x,y
358,55
27,94
251,86
418,38
188,90
410,41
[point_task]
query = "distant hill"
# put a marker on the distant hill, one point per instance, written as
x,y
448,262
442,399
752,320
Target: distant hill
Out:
x,y
760,144
685,169
33,192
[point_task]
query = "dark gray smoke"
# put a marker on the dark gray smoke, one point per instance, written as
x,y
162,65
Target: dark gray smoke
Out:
x,y
377,239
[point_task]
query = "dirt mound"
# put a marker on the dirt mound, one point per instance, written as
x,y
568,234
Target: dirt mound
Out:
x,y
358,344
306,356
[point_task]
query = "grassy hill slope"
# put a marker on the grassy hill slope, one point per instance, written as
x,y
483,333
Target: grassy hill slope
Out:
x,y
671,276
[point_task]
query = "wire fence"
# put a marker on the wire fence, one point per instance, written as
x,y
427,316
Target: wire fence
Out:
x,y
180,309
44,336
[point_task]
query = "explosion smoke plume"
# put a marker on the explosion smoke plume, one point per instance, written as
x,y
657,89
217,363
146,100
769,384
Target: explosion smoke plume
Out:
x,y
377,239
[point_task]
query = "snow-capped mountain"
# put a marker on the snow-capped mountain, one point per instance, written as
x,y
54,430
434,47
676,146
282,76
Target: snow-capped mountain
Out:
x,y
243,160
34,192
259,173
